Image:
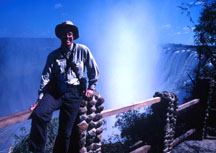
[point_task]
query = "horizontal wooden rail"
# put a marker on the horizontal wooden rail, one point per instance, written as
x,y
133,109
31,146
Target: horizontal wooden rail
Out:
x,y
182,137
115,111
188,104
142,149
24,115
14,118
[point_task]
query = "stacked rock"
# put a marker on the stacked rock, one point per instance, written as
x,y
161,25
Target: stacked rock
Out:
x,y
90,124
82,127
168,110
209,107
171,117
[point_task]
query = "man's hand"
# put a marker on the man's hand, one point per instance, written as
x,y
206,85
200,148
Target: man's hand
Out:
x,y
89,94
32,107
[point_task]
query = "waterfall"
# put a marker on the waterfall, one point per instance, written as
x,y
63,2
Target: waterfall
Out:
x,y
175,65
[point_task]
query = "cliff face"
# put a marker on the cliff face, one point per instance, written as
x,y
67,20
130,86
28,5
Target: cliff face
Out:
x,y
204,146
22,61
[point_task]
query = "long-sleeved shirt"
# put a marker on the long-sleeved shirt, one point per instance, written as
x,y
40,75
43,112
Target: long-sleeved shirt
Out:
x,y
56,63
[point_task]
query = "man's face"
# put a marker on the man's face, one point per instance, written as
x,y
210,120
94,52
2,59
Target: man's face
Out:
x,y
67,38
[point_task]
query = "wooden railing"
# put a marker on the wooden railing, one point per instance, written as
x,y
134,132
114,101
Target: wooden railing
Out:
x,y
25,115
14,118
146,148
116,111
188,104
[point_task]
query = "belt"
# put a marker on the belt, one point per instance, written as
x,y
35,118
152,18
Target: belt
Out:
x,y
71,86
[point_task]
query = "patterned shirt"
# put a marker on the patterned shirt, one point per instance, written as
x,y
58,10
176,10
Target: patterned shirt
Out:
x,y
56,63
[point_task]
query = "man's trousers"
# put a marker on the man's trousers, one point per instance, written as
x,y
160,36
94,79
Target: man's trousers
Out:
x,y
69,104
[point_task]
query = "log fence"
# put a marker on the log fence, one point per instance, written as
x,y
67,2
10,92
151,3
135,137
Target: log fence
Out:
x,y
89,123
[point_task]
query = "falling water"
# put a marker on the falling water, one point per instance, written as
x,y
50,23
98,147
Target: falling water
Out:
x,y
175,68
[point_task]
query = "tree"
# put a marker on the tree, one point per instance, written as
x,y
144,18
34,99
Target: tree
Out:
x,y
136,125
205,30
204,39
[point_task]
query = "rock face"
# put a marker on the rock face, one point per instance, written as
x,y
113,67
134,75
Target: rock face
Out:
x,y
204,146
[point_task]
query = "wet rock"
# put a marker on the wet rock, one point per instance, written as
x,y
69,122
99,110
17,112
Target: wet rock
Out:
x,y
195,146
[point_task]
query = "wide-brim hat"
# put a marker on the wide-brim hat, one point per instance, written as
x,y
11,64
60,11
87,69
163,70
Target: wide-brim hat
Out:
x,y
67,24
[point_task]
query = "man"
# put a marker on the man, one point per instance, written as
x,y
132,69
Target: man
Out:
x,y
63,86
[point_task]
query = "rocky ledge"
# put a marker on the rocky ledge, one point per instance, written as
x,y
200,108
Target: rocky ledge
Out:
x,y
191,146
